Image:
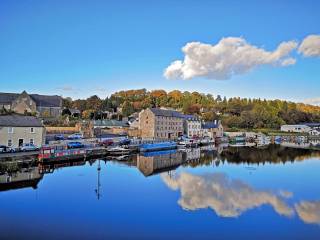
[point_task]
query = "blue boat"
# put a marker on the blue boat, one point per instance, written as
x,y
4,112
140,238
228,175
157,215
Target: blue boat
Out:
x,y
148,147
158,153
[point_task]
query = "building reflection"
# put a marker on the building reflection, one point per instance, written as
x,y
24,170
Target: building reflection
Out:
x,y
20,177
151,163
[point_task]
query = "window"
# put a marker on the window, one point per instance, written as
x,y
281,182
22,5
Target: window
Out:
x,y
31,141
9,143
32,130
10,129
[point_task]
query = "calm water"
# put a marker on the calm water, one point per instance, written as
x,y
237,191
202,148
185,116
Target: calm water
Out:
x,y
223,194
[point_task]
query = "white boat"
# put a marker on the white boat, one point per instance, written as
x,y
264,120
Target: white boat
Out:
x,y
118,151
207,141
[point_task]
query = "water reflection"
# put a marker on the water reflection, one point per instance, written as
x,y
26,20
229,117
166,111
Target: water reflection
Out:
x,y
232,197
13,176
227,197
309,212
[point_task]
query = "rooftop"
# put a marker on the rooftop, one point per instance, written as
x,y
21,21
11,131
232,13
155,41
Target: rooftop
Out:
x,y
40,100
16,120
166,113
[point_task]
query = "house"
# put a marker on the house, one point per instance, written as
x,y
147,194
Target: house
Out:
x,y
43,105
212,129
314,132
192,126
297,128
156,123
16,130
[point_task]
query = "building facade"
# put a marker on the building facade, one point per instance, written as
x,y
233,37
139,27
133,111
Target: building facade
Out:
x,y
155,123
212,129
16,130
192,126
298,128
42,105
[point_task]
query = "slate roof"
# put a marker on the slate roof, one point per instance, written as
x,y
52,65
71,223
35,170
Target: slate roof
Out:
x,y
111,123
191,117
19,121
41,100
311,124
166,113
209,125
8,98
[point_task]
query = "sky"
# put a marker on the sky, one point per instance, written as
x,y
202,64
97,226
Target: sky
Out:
x,y
232,48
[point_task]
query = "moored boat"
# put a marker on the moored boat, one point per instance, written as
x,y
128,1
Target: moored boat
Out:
x,y
157,146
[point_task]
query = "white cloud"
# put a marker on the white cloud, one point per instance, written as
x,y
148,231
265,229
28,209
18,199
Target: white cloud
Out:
x,y
230,56
227,197
309,212
310,46
313,101
66,88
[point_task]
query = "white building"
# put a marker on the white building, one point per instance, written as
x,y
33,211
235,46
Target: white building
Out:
x,y
298,128
192,126
16,130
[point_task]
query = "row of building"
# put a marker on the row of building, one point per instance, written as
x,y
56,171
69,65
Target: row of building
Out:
x,y
312,129
156,123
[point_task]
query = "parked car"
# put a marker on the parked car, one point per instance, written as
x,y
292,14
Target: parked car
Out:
x,y
28,147
6,149
75,136
59,137
75,145
106,142
125,141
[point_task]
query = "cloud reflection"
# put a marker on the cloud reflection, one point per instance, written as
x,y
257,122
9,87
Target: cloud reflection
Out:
x,y
309,212
227,197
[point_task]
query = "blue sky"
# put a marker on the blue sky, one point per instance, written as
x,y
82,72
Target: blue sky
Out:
x,y
80,48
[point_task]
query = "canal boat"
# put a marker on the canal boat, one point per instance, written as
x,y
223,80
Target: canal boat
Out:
x,y
157,146
62,152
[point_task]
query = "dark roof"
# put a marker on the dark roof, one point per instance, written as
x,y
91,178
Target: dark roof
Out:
x,y
191,117
110,123
311,124
166,113
19,121
41,100
8,98
209,125
47,101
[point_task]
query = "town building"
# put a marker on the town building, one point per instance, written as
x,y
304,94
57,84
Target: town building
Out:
x,y
192,126
156,123
297,128
42,105
16,130
212,129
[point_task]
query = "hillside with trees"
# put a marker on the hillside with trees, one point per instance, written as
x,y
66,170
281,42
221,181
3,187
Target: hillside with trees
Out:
x,y
234,112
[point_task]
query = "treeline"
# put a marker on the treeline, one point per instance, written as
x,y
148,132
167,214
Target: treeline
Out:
x,y
234,112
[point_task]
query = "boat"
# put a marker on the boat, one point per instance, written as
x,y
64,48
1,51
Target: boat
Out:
x,y
62,152
206,141
118,151
186,142
157,146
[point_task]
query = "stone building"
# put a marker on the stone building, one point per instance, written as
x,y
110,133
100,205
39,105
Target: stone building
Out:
x,y
192,126
44,106
156,123
212,129
16,130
